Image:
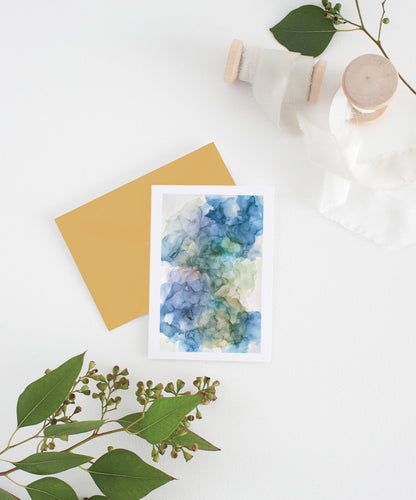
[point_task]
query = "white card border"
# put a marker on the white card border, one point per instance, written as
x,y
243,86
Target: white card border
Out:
x,y
155,272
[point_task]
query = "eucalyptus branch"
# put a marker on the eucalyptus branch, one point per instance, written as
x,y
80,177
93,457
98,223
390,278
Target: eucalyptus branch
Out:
x,y
164,412
334,14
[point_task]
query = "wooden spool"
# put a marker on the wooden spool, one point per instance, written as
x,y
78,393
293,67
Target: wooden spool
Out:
x,y
232,70
369,83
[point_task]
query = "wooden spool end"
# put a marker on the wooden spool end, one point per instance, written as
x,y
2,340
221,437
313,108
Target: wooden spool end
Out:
x,y
370,82
232,66
317,80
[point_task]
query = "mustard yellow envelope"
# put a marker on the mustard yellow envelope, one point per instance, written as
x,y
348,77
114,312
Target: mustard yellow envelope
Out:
x,y
109,238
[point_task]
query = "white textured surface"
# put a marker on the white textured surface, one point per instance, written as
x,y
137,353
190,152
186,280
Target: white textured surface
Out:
x,y
95,93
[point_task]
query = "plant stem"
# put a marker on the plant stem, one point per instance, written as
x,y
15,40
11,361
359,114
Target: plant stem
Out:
x,y
381,20
378,43
114,431
16,483
8,471
93,436
361,27
359,13
10,441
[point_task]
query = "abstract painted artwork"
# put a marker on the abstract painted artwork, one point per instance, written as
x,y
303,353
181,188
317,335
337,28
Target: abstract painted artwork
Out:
x,y
211,266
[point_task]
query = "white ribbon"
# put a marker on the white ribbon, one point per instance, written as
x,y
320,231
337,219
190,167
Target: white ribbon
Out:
x,y
369,184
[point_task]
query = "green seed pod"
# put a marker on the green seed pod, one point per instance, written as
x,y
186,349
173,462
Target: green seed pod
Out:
x,y
169,388
85,380
48,370
91,365
51,445
102,386
110,448
125,372
180,384
187,456
174,454
149,384
386,20
198,414
338,7
109,376
117,400
116,369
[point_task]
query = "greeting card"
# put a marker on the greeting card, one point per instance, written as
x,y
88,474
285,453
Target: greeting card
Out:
x,y
211,273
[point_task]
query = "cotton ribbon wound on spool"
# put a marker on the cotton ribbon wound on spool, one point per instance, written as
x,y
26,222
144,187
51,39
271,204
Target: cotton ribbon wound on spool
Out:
x,y
369,184
281,81
369,82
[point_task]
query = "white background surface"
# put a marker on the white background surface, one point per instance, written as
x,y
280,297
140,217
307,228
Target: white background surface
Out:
x,y
94,94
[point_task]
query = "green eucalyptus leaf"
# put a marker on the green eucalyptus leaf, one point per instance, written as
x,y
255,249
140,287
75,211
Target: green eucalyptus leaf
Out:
x,y
190,438
51,462
51,488
162,418
72,428
122,475
44,396
6,496
305,30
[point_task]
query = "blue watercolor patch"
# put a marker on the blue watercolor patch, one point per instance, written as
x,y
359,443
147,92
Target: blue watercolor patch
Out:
x,y
212,250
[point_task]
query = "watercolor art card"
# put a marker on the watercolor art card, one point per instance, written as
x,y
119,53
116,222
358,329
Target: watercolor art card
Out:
x,y
211,273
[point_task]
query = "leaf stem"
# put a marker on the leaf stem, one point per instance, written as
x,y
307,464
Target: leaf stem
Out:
x,y
10,441
16,483
381,20
359,13
6,472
